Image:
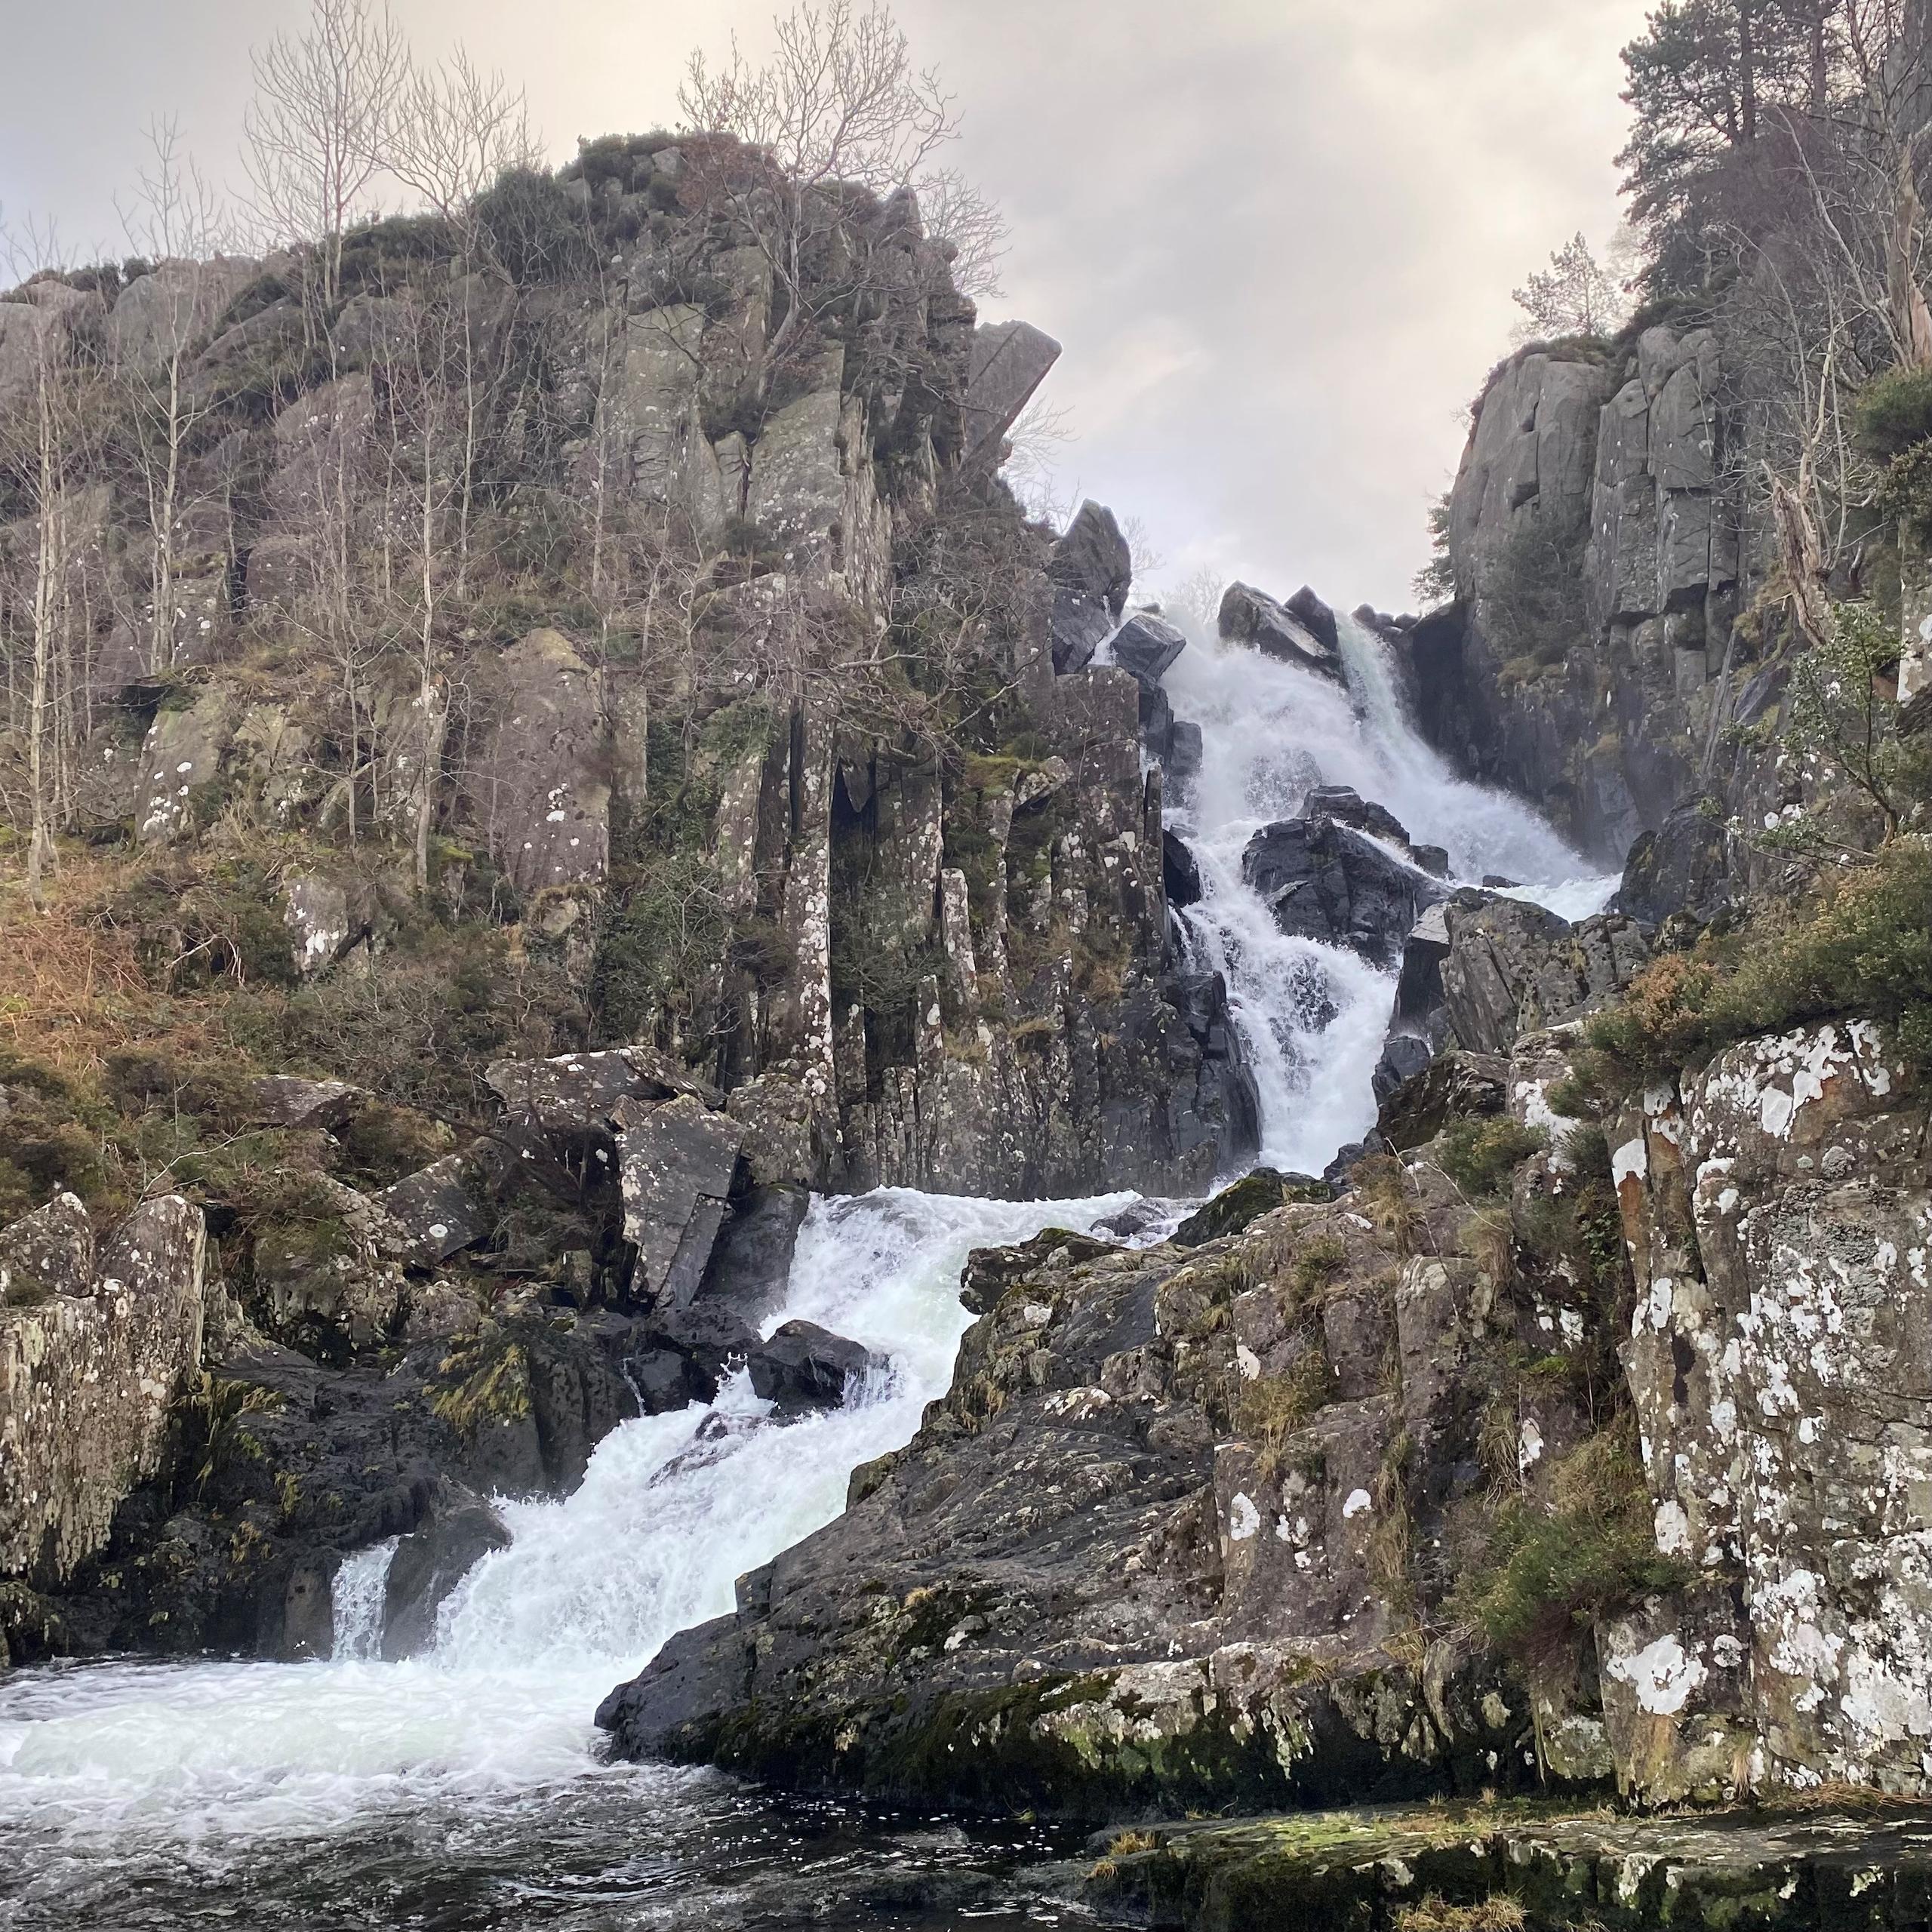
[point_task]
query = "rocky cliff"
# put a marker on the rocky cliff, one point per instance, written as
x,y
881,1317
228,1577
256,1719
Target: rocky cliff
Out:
x,y
595,767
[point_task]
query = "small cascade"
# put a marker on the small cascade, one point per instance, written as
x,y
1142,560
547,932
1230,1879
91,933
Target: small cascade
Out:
x,y
1312,1016
357,1608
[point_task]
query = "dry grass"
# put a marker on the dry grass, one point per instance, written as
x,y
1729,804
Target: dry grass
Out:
x,y
1500,1913
71,989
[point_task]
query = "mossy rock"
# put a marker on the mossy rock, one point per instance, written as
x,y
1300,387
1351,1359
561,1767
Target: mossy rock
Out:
x,y
1254,1195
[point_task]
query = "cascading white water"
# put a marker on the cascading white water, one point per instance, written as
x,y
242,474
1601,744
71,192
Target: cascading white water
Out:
x,y
1311,1016
357,1604
674,1508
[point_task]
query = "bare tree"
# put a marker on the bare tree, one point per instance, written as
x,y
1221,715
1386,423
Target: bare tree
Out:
x,y
316,136
839,105
455,129
956,213
177,222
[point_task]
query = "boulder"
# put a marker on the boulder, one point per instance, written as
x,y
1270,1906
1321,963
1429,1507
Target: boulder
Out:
x,y
677,1161
1252,617
1258,1193
1683,867
1514,967
429,1563
1324,880
1346,806
1457,1086
803,1367
89,1376
315,911
1180,872
1091,569
444,1207
1010,360
539,782
751,1265
281,1100
1147,645
1315,617
49,1252
574,1093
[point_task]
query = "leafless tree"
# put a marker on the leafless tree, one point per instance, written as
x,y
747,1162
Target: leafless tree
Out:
x,y
840,105
316,136
956,213
454,130
177,221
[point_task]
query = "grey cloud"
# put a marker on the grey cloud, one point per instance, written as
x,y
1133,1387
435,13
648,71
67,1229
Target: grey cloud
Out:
x,y
1277,237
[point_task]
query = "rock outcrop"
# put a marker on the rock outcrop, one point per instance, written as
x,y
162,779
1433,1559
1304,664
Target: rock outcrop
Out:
x,y
95,1349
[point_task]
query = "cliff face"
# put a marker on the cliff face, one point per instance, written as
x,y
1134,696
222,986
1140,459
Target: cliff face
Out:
x,y
1603,655
594,770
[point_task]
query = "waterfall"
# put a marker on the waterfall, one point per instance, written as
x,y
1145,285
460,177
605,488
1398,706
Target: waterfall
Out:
x,y
160,1767
673,1509
1312,1016
357,1605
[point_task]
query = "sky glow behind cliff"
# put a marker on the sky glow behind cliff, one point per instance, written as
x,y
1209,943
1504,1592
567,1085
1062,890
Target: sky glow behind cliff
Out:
x,y
1277,237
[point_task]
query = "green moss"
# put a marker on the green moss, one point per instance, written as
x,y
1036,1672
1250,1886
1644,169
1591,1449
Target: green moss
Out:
x,y
1255,1194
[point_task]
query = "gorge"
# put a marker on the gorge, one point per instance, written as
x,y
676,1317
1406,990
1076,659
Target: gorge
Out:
x,y
731,1193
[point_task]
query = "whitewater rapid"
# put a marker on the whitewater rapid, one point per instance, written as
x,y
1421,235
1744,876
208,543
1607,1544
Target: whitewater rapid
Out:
x,y
1313,1017
137,1774
673,1509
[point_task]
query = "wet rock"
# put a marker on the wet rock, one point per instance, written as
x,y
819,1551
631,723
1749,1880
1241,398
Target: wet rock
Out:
x,y
1257,1193
804,1366
1146,646
1346,806
307,1611
1315,617
1180,872
676,1161
1090,569
429,1563
751,1265
1251,616
1325,882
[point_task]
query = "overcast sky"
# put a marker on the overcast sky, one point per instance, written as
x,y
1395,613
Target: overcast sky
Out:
x,y
1276,237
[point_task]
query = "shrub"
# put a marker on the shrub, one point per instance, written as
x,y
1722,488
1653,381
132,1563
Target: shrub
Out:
x,y
1531,596
1480,1155
1863,951
530,226
1592,1554
1892,412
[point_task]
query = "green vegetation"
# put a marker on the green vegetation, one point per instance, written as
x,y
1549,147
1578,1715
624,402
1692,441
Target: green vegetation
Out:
x,y
1480,1155
1893,413
1592,1553
1863,950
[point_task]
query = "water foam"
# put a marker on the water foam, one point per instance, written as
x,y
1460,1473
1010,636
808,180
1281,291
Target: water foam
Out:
x,y
673,1509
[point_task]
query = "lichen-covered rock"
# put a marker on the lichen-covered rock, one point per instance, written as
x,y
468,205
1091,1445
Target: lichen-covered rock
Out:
x,y
579,1093
49,1252
181,761
281,1100
1779,1218
87,1377
677,1162
1157,1546
540,784
1513,967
